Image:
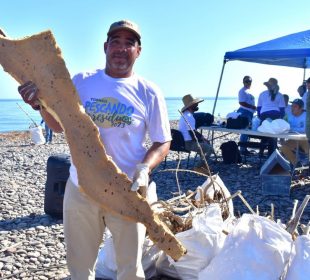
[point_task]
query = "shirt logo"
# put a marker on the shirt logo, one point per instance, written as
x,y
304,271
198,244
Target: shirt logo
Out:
x,y
109,112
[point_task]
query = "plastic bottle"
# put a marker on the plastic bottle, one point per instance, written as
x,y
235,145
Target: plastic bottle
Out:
x,y
219,119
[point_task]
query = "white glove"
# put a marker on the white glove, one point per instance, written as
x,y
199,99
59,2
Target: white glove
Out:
x,y
141,177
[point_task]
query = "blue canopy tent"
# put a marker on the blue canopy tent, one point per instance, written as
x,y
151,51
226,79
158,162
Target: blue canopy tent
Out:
x,y
292,50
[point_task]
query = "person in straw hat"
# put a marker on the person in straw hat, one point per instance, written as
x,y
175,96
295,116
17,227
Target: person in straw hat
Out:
x,y
271,102
187,125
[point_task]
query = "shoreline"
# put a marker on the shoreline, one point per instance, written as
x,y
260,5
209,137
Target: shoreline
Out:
x,y
32,243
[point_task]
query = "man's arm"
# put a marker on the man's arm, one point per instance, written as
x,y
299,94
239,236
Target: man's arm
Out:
x,y
247,105
156,154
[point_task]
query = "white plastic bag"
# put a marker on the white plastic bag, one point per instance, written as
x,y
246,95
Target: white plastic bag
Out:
x,y
106,263
37,135
277,126
202,242
257,248
300,265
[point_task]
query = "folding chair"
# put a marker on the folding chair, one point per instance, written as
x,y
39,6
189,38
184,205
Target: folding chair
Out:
x,y
261,145
178,145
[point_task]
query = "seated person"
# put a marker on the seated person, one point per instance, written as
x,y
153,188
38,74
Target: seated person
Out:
x,y
297,121
247,107
271,105
271,102
191,106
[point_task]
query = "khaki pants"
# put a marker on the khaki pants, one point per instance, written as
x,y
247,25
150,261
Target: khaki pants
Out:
x,y
84,224
289,149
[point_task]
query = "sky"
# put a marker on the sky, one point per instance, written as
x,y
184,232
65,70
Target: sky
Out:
x,y
183,42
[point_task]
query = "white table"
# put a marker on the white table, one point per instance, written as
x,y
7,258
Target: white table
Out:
x,y
288,135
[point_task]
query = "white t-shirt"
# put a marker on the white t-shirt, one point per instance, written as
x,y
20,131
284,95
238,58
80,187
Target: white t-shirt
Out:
x,y
245,96
297,123
267,105
124,110
183,127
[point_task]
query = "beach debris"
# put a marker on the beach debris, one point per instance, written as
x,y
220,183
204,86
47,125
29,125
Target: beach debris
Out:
x,y
38,59
294,222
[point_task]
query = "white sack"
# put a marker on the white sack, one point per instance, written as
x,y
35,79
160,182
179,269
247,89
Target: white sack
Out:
x,y
202,242
300,265
257,249
277,126
106,263
233,115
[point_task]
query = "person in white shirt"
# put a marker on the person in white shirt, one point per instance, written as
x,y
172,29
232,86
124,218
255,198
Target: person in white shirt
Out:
x,y
271,102
125,107
297,121
247,107
271,105
187,125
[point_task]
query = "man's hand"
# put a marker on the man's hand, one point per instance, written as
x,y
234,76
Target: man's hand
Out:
x,y
29,93
141,177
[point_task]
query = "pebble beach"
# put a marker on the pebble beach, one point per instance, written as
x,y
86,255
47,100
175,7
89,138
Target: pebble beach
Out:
x,y
32,242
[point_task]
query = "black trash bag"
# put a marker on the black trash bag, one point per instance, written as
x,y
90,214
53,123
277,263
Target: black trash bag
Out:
x,y
230,152
238,123
203,119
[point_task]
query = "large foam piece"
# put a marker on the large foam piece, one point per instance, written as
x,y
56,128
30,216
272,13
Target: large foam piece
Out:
x,y
37,58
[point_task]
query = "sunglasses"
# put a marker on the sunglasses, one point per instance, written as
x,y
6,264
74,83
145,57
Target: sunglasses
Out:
x,y
248,82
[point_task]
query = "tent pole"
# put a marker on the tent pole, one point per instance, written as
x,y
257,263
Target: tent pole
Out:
x,y
218,87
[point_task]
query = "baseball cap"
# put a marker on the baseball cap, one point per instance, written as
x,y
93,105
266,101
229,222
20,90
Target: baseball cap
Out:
x,y
298,102
127,25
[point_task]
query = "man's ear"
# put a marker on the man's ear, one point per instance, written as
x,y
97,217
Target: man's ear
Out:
x,y
139,50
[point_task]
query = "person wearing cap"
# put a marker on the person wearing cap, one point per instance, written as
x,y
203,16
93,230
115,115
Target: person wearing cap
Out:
x,y
125,107
247,107
187,126
297,121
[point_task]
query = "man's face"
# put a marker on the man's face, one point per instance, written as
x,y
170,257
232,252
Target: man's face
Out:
x,y
247,83
122,49
296,110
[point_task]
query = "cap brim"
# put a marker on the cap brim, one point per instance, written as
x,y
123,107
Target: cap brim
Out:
x,y
124,28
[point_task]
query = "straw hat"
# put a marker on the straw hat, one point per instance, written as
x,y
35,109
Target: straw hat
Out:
x,y
189,100
272,82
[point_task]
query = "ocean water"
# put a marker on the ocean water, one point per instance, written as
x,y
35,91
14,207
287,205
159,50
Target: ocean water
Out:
x,y
13,118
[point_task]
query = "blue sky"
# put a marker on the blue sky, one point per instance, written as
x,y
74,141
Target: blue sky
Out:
x,y
183,42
